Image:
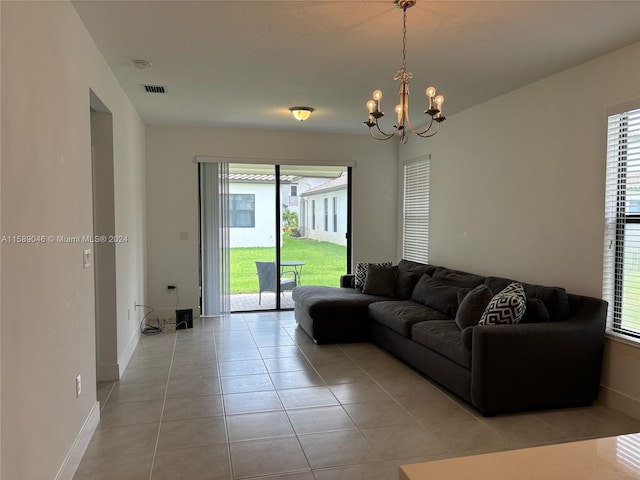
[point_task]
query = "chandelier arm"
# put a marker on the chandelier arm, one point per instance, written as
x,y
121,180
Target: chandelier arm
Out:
x,y
428,135
421,133
387,135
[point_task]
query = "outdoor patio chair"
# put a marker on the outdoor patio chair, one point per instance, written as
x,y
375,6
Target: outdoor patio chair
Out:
x,y
267,279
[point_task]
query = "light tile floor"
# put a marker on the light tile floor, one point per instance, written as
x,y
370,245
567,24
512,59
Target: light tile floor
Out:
x,y
250,396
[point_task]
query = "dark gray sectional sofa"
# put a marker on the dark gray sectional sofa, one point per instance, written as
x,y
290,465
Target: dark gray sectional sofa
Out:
x,y
552,358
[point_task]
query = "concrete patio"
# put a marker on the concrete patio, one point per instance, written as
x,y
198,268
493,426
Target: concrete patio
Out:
x,y
245,302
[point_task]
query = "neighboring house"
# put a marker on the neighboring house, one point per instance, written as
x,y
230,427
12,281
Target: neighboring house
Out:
x,y
324,211
252,205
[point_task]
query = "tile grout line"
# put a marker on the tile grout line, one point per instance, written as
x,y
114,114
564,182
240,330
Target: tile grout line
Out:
x,y
164,402
222,400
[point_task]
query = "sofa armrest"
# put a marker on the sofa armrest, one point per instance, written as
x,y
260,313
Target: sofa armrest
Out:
x,y
539,365
346,280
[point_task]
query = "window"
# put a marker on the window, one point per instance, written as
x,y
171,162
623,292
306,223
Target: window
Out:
x,y
621,275
242,210
294,190
415,230
335,214
313,214
326,214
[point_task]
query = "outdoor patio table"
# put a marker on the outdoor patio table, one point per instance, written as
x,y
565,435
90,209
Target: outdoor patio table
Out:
x,y
297,269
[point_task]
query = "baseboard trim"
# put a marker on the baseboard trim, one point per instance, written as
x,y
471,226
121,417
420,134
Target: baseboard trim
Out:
x,y
79,447
124,359
620,401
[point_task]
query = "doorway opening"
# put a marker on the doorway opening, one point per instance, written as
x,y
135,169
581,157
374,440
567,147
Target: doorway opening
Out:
x,y
104,254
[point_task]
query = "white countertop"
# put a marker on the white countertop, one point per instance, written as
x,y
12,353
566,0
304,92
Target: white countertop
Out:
x,y
615,458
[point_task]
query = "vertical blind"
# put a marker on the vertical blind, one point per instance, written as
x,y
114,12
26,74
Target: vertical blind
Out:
x,y
214,232
415,230
621,274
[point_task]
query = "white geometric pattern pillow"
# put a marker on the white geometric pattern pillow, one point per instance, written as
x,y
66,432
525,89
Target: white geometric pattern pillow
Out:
x,y
362,268
506,307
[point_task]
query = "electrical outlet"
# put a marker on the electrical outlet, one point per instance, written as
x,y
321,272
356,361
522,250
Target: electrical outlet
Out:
x,y
78,385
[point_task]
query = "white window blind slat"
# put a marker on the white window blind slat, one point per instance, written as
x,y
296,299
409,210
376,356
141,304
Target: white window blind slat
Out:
x,y
415,233
621,273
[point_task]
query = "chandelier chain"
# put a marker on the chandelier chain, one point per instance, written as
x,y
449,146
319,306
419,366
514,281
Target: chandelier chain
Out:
x,y
404,39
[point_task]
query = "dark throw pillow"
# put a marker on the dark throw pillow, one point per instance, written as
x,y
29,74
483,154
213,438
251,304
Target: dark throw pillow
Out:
x,y
381,280
406,283
361,272
472,306
536,312
431,293
506,307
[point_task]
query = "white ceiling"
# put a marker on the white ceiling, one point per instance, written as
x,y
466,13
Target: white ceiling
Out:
x,y
243,63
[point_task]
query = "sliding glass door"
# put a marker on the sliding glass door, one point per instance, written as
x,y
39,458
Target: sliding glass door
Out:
x,y
286,226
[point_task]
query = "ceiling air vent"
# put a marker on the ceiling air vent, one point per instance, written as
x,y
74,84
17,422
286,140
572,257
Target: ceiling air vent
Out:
x,y
155,88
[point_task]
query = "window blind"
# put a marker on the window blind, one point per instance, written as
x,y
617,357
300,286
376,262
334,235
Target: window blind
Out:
x,y
415,231
621,274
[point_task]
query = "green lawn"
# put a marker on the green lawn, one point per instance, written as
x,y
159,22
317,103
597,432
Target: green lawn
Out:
x,y
324,263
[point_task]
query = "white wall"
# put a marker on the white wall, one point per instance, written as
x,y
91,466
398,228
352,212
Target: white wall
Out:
x,y
172,194
319,232
49,64
517,190
263,234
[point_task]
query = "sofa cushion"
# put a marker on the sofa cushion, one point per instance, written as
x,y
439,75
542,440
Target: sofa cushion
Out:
x,y
415,267
362,269
401,315
380,280
506,307
444,337
458,278
434,294
536,312
554,298
472,306
322,302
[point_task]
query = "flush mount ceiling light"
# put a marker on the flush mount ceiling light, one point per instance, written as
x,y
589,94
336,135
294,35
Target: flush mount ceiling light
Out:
x,y
301,113
434,110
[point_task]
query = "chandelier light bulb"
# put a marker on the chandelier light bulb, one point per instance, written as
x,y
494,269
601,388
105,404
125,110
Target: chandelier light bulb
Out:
x,y
431,92
377,95
439,101
371,105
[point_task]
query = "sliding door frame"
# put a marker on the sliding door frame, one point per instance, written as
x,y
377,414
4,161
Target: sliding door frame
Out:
x,y
277,164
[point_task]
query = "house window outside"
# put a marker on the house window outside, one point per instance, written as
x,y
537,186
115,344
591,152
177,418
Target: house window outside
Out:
x,y
313,214
621,275
415,229
294,191
242,210
326,214
335,214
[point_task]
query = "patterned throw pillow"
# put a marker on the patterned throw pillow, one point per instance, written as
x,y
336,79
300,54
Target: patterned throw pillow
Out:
x,y
506,307
362,268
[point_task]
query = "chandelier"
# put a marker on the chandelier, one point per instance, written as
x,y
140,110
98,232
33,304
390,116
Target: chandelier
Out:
x,y
434,110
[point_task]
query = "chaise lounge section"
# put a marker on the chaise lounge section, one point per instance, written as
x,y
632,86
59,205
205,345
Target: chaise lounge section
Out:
x,y
428,317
